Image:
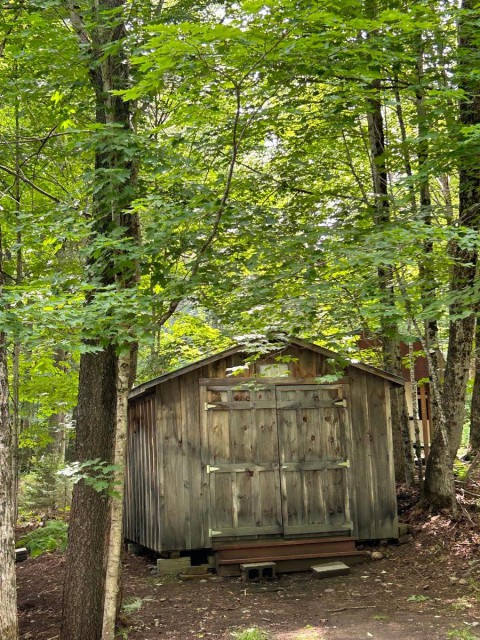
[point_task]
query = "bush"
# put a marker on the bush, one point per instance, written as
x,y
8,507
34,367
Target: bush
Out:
x,y
50,537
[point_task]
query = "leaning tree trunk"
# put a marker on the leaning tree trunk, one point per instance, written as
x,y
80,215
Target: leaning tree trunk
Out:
x,y
95,517
404,464
8,592
439,483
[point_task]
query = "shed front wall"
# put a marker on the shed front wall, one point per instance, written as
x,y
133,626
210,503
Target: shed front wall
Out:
x,y
167,504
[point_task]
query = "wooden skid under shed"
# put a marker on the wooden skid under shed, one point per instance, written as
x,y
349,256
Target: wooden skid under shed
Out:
x,y
289,555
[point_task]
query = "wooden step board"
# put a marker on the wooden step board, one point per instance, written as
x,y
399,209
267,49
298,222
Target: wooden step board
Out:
x,y
289,555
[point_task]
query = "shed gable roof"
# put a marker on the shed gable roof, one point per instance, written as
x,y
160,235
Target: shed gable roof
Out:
x,y
296,342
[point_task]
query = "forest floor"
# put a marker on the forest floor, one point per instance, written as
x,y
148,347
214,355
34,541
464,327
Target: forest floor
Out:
x,y
427,588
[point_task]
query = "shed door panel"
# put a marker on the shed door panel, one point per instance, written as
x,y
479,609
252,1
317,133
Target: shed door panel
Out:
x,y
312,427
244,479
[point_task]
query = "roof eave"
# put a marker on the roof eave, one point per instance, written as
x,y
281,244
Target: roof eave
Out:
x,y
146,386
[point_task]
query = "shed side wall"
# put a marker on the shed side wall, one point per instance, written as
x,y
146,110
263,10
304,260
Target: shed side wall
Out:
x,y
375,506
141,523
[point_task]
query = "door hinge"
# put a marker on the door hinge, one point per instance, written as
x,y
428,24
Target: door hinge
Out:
x,y
210,469
209,406
212,532
344,464
340,403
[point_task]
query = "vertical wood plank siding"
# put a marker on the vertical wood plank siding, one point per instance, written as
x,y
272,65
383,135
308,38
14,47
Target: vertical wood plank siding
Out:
x,y
167,485
375,505
141,486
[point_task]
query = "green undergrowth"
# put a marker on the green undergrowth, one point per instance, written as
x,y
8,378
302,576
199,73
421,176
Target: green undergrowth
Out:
x,y
50,537
133,604
462,634
253,633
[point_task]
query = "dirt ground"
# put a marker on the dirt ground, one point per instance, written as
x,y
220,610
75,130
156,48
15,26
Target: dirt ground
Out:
x,y
427,588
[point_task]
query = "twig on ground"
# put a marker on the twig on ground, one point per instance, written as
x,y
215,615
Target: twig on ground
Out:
x,y
365,606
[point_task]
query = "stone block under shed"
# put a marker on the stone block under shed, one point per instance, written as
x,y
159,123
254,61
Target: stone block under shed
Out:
x,y
197,570
330,569
173,566
258,570
403,529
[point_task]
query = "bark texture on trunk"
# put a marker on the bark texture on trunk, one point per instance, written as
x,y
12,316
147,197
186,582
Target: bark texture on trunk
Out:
x,y
113,572
474,443
85,566
439,485
8,592
416,417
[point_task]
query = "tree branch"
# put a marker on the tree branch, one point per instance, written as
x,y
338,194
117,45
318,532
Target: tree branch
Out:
x,y
24,178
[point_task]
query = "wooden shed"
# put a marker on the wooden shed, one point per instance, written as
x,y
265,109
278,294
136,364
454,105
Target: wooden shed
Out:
x,y
272,455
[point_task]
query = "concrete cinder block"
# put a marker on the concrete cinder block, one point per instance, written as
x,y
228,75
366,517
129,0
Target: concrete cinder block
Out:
x,y
258,570
330,569
21,554
173,566
403,529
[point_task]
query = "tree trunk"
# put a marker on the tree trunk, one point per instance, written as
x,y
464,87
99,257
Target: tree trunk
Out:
x,y
95,534
57,420
18,282
456,376
404,464
113,575
425,266
439,484
88,532
8,592
416,419
474,442
465,266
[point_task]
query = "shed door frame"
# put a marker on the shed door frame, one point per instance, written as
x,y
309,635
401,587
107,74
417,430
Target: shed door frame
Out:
x,y
283,467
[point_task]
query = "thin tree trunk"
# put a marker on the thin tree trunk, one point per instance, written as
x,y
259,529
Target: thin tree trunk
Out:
x,y
8,592
425,267
404,464
113,574
16,343
416,424
57,420
474,442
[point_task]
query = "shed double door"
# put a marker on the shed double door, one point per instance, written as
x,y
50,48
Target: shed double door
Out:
x,y
276,459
